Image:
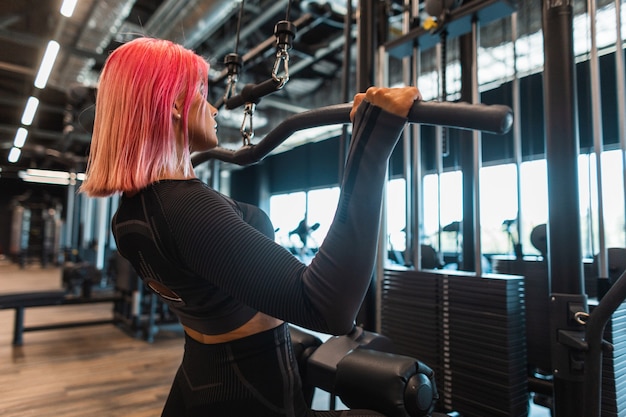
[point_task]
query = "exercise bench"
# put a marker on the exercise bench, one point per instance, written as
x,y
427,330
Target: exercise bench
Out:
x,y
20,301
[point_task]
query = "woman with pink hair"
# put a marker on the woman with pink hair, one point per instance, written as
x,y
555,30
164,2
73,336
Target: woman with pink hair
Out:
x,y
185,240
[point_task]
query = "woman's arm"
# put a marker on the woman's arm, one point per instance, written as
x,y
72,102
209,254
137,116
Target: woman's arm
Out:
x,y
326,295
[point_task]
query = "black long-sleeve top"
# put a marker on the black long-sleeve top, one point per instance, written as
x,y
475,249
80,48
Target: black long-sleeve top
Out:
x,y
221,265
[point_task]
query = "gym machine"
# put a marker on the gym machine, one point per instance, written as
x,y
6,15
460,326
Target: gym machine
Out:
x,y
35,232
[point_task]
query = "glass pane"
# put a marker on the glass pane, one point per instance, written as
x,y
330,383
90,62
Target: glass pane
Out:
x,y
445,210
286,212
322,207
498,209
613,202
613,190
396,214
588,204
534,204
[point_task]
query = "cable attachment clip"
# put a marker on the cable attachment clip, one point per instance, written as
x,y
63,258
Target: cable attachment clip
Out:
x,y
248,113
284,31
581,317
234,64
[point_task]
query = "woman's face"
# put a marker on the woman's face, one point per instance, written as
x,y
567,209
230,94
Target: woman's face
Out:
x,y
202,127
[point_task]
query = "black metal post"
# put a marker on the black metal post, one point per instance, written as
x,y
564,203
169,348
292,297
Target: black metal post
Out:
x,y
346,71
366,50
564,235
467,53
562,150
366,44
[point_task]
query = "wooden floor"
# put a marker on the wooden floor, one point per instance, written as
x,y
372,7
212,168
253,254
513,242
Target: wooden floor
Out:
x,y
86,371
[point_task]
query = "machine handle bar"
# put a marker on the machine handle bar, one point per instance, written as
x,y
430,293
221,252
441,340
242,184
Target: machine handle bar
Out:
x,y
494,118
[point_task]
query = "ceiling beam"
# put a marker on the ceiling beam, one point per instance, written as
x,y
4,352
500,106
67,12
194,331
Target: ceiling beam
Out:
x,y
41,134
14,101
17,69
27,39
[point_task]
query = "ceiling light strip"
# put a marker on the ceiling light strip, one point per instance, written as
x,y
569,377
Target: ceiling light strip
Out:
x,y
30,110
46,64
67,8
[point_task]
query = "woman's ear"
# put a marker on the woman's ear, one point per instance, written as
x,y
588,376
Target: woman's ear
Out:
x,y
178,104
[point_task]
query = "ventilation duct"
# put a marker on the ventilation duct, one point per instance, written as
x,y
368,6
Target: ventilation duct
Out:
x,y
189,23
105,19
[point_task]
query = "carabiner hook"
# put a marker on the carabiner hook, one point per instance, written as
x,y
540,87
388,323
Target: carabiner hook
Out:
x,y
231,85
284,31
248,113
281,55
233,63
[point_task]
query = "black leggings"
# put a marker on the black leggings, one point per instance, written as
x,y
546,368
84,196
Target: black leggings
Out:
x,y
254,376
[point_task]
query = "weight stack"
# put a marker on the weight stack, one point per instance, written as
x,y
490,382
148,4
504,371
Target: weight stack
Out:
x,y
613,400
411,316
470,330
537,307
485,345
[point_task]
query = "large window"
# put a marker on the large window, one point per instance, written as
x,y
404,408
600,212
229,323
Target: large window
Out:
x,y
442,203
443,207
498,205
302,219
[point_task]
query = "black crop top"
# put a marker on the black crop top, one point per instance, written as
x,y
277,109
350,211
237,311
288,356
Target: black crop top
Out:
x,y
219,262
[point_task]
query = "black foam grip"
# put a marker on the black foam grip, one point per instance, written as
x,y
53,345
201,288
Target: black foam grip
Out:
x,y
395,385
494,118
252,93
321,366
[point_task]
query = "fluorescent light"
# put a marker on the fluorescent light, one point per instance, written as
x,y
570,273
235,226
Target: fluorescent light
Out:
x,y
14,155
46,180
46,64
30,110
67,8
20,137
44,176
51,177
47,173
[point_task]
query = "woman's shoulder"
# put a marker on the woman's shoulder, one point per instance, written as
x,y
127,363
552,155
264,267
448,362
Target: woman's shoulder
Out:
x,y
188,196
182,189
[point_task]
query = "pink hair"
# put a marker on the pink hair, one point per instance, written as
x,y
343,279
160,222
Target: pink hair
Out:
x,y
133,142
